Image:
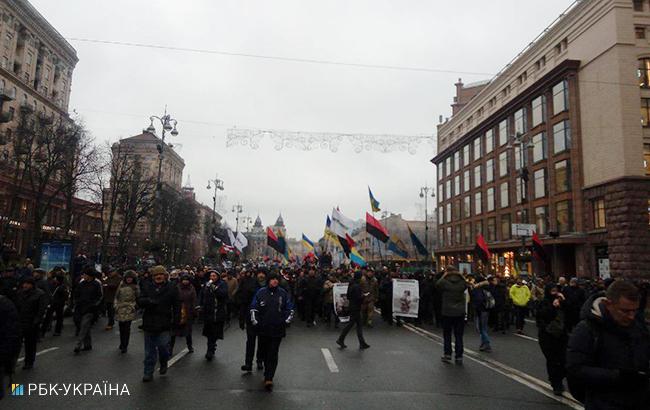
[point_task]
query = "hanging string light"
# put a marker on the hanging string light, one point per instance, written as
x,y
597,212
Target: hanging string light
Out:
x,y
309,141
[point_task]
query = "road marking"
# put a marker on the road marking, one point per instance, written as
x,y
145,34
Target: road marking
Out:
x,y
51,349
526,337
510,372
329,359
178,357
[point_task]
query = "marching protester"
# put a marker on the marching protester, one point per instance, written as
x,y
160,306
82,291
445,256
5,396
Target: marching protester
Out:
x,y
370,288
188,307
355,298
109,286
87,298
9,342
520,295
57,306
271,312
575,298
213,311
608,355
161,306
31,303
247,290
9,283
125,304
452,288
552,335
482,301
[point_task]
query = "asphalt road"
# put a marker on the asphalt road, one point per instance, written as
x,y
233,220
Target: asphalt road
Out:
x,y
402,370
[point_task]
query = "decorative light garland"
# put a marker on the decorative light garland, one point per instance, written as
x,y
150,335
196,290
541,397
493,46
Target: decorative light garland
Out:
x,y
309,141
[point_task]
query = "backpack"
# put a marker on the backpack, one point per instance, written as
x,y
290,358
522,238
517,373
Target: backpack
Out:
x,y
488,302
577,388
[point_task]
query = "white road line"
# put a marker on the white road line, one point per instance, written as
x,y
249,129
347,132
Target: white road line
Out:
x,y
511,373
329,359
178,357
51,349
526,337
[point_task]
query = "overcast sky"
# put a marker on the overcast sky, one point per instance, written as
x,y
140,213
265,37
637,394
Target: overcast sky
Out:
x,y
116,88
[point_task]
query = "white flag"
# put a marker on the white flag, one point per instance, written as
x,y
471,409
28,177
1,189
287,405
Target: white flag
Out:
x,y
341,224
240,241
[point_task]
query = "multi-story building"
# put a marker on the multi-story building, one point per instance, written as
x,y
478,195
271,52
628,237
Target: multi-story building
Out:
x,y
572,100
36,66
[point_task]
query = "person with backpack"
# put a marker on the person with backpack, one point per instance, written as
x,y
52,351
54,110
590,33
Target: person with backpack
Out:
x,y
608,355
452,288
552,336
483,302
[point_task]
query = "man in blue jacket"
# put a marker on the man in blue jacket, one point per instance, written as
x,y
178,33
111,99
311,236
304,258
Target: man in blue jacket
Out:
x,y
271,312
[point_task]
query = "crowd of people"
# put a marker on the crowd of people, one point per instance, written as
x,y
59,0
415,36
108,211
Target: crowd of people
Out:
x,y
578,321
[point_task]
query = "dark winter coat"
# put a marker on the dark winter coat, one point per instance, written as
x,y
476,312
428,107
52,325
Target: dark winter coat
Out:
x,y
87,297
59,296
452,288
31,305
9,286
597,352
109,287
575,298
272,308
551,320
247,290
499,292
162,306
355,297
213,301
10,330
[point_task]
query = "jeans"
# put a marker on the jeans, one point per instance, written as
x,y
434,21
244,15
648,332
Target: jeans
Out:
x,y
125,334
520,314
457,325
355,319
85,325
481,320
270,347
156,347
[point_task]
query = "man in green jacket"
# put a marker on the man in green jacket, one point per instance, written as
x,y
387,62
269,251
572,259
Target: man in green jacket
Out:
x,y
452,288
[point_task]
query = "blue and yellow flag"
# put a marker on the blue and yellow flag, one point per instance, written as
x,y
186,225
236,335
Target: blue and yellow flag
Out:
x,y
374,204
355,257
307,243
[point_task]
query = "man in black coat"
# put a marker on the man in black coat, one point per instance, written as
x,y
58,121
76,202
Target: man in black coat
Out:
x,y
87,299
9,283
213,302
247,290
609,351
355,299
10,340
161,302
56,307
575,297
310,293
31,303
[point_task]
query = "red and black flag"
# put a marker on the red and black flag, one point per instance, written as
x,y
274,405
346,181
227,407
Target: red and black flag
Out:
x,y
481,249
374,228
347,244
273,242
538,249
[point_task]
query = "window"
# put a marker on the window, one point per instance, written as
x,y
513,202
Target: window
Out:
x,y
477,148
539,147
491,229
561,137
457,185
560,97
448,189
521,216
564,217
638,5
521,122
639,32
503,196
646,158
477,176
478,205
503,164
643,73
441,238
541,219
449,237
466,181
490,200
467,203
478,227
456,210
466,155
489,141
562,176
441,191
599,213
439,170
456,161
506,227
503,132
645,112
467,234
540,183
448,170
539,110
489,170
457,234
448,213
441,215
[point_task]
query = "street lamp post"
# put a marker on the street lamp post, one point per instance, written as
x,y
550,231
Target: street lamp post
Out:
x,y
424,193
218,185
237,209
521,141
168,124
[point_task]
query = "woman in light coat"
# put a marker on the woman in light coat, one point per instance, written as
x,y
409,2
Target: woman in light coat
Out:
x,y
125,306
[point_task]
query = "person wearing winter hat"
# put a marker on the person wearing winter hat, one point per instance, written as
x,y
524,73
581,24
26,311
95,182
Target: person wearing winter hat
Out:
x,y
31,303
124,305
355,299
88,297
271,312
187,294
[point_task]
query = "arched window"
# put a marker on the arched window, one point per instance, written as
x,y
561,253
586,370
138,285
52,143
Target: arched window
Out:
x,y
643,73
